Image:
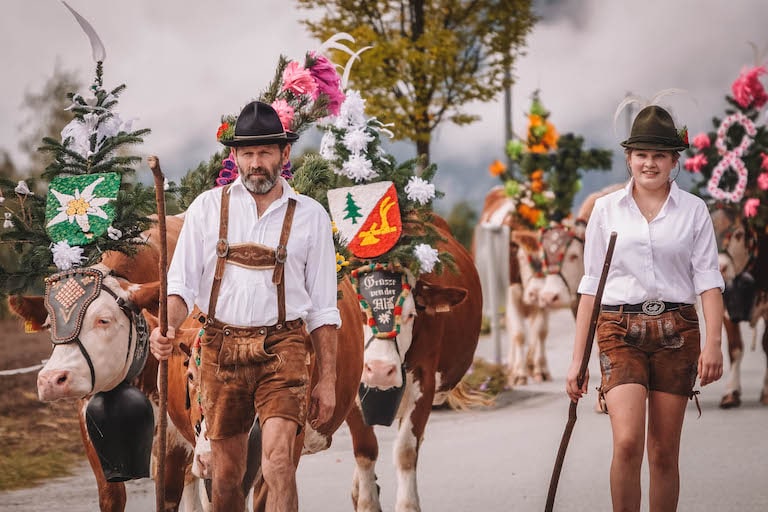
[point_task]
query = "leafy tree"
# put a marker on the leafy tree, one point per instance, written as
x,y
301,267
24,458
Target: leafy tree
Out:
x,y
462,220
427,58
47,115
7,167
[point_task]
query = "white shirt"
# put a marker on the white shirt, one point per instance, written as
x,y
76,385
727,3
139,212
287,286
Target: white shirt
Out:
x,y
248,297
672,258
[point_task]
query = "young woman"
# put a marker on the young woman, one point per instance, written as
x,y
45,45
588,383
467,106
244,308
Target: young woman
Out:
x,y
648,331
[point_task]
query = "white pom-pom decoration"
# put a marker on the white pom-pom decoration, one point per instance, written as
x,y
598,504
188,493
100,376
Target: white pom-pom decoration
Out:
x,y
427,257
420,190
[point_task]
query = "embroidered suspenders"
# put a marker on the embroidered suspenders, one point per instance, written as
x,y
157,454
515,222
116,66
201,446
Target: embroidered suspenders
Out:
x,y
251,255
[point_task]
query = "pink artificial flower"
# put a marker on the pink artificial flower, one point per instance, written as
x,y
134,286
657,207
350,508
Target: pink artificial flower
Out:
x,y
764,162
696,162
284,111
298,80
747,89
701,141
762,181
750,207
328,81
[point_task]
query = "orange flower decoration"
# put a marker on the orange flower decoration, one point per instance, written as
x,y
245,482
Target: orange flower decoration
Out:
x,y
537,186
497,168
550,137
529,214
537,175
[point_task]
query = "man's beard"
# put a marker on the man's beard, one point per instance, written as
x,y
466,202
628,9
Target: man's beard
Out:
x,y
266,180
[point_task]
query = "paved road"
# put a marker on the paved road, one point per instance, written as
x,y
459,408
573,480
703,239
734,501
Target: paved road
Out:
x,y
500,459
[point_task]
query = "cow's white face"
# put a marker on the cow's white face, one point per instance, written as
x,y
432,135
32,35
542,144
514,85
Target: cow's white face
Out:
x,y
559,288
104,336
532,289
383,358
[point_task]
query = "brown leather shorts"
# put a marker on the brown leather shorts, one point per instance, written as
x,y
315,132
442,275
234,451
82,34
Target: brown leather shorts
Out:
x,y
245,371
660,352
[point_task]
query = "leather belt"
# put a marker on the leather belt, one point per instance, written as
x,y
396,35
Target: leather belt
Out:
x,y
649,307
264,330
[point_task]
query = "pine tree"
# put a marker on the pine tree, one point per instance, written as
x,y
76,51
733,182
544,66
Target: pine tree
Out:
x,y
352,210
731,161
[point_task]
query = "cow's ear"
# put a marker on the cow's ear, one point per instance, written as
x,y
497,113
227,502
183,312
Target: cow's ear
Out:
x,y
31,309
528,240
147,296
437,299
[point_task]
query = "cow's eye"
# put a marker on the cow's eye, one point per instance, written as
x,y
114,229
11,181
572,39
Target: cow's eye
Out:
x,y
102,321
573,257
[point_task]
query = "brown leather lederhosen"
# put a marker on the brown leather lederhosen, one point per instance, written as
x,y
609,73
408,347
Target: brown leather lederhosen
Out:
x,y
243,367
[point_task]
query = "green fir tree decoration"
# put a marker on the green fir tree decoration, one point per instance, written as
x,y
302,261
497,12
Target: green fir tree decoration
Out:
x,y
83,221
353,211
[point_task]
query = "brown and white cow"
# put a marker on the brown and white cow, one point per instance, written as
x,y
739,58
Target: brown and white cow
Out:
x,y
66,375
743,258
544,271
435,346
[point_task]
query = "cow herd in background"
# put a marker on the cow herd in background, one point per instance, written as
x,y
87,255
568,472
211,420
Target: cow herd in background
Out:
x,y
439,335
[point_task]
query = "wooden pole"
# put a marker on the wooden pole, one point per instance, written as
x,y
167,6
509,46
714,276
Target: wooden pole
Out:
x,y
162,373
580,377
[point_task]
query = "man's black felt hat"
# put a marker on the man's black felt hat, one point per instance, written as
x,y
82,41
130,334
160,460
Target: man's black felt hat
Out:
x,y
259,125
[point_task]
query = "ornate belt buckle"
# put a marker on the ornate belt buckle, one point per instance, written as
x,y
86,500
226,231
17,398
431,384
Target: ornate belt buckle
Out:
x,y
653,307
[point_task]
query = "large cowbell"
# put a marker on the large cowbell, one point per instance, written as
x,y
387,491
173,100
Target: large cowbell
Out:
x,y
380,406
121,424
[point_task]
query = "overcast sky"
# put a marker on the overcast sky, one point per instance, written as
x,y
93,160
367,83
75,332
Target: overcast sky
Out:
x,y
185,63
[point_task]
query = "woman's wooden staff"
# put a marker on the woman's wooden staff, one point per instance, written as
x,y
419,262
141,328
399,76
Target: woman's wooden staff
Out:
x,y
162,372
580,377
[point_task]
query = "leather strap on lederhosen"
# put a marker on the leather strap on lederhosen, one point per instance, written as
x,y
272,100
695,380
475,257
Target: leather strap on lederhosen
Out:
x,y
251,255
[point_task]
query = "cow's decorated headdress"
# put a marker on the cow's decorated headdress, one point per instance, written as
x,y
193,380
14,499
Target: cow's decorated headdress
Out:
x,y
90,206
545,171
731,162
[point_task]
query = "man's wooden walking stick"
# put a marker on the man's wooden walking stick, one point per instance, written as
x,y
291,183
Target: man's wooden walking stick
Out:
x,y
162,372
580,377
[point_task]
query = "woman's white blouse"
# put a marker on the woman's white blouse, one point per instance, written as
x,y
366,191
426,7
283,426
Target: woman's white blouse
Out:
x,y
248,297
672,258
